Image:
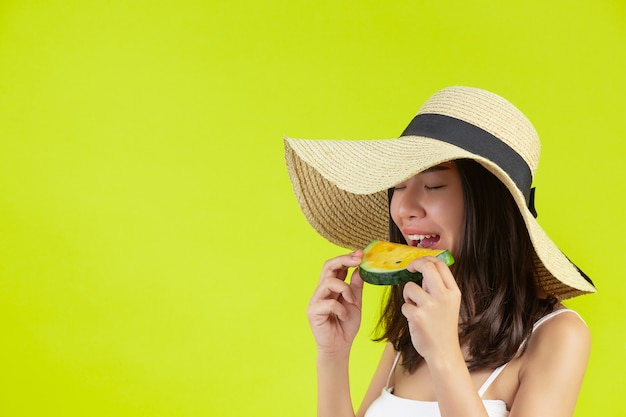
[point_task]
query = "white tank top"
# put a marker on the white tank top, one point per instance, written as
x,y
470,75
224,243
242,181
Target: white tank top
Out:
x,y
388,405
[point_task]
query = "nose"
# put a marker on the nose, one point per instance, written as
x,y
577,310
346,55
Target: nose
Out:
x,y
410,203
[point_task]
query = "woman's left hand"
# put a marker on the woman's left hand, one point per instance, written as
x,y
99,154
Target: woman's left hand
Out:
x,y
432,310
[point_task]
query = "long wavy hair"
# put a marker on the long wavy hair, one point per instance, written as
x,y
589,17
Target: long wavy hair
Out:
x,y
495,271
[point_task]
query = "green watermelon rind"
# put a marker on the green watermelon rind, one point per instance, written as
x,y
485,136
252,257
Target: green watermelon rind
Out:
x,y
376,276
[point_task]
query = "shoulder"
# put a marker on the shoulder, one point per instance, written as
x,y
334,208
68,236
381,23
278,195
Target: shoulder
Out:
x,y
553,367
560,340
561,326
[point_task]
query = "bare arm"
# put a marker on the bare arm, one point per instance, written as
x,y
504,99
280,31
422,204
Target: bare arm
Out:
x,y
552,370
333,387
334,315
379,379
432,312
552,375
454,389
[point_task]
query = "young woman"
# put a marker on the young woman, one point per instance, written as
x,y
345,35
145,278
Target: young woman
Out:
x,y
485,337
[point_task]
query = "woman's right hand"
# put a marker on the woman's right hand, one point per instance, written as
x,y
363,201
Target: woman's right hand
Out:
x,y
334,310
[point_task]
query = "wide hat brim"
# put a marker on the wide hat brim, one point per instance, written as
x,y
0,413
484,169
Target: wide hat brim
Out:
x,y
341,186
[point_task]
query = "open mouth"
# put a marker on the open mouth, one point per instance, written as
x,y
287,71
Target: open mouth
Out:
x,y
423,241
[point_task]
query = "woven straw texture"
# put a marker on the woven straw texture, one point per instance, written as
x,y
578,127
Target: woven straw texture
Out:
x,y
341,185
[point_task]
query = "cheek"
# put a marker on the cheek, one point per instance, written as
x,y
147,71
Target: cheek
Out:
x,y
393,211
456,215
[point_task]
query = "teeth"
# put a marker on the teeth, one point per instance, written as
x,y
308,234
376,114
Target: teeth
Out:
x,y
420,237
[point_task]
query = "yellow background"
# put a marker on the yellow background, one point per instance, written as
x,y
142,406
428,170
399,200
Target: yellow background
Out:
x,y
153,260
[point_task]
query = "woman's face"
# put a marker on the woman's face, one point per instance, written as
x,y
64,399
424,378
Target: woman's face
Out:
x,y
428,208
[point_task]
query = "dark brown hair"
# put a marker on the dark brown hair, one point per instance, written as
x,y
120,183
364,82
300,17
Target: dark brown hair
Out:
x,y
495,273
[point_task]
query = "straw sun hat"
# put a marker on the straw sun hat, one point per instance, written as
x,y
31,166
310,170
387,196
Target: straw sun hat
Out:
x,y
342,185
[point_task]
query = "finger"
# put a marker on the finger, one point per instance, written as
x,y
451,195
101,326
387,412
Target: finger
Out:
x,y
446,276
338,267
432,282
321,310
414,294
333,288
356,285
409,311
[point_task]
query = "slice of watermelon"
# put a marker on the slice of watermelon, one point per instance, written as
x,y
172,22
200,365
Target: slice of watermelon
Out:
x,y
384,263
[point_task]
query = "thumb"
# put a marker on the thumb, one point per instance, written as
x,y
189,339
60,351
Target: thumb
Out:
x,y
356,285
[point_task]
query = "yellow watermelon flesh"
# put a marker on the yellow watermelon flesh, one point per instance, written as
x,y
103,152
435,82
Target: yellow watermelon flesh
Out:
x,y
384,263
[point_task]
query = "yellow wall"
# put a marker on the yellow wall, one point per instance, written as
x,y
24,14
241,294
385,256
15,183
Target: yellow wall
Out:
x,y
153,260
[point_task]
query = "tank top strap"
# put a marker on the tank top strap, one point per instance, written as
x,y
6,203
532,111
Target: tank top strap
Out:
x,y
496,372
548,317
538,323
555,313
391,371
